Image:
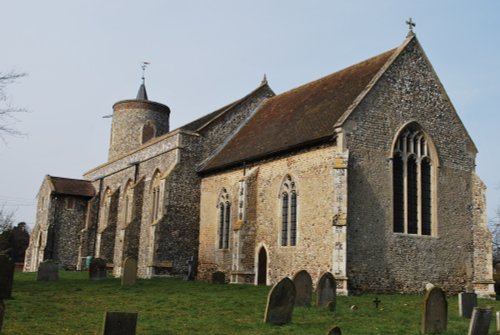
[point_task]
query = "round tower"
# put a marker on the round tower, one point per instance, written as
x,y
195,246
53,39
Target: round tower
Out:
x,y
136,122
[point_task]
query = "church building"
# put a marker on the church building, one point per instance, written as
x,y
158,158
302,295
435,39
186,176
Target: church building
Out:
x,y
367,173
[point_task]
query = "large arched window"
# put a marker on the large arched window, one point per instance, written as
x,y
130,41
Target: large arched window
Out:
x,y
288,195
155,197
412,182
224,219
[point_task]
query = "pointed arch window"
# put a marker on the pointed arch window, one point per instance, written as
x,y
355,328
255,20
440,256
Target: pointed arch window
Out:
x,y
128,198
288,195
224,218
106,202
412,170
155,197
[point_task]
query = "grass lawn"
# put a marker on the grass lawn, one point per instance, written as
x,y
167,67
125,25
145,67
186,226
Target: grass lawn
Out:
x,y
74,305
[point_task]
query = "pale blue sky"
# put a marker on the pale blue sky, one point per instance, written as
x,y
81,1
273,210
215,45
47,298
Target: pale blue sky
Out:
x,y
83,56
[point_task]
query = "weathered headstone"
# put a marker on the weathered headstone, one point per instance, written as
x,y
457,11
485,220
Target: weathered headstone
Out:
x,y
48,271
129,276
97,269
7,267
480,321
334,331
2,313
218,277
280,302
119,323
498,322
303,285
327,291
435,311
466,304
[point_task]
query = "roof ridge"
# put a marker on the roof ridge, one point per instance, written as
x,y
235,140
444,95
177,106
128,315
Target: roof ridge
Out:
x,y
396,52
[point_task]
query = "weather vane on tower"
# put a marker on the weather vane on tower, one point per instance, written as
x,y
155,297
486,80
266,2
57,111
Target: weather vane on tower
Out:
x,y
144,66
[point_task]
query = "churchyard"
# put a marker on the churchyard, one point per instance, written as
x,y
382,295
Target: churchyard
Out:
x,y
73,304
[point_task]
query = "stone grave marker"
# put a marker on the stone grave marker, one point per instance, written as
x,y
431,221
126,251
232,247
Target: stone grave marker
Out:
x,y
480,321
280,302
129,276
192,264
303,286
327,291
2,313
334,331
218,277
435,311
7,267
48,271
498,322
466,304
119,323
97,269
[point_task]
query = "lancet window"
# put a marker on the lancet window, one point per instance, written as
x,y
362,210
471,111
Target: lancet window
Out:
x,y
288,195
224,219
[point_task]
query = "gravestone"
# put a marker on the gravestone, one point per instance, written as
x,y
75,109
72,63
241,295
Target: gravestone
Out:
x,y
327,291
480,321
218,277
303,286
2,313
7,267
48,271
498,322
435,311
192,264
97,269
334,331
280,302
129,276
466,304
119,323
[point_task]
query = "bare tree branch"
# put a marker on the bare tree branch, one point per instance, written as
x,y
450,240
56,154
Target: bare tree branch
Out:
x,y
8,112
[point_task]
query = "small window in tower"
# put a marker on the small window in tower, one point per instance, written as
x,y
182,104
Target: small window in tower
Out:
x,y
148,132
70,203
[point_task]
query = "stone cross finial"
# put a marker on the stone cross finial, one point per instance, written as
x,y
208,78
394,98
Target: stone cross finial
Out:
x,y
410,24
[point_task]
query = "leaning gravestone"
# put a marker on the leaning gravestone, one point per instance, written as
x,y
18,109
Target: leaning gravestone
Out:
x,y
498,322
326,293
119,323
2,313
435,311
129,276
466,304
97,269
334,331
303,285
48,271
280,302
480,322
7,267
218,277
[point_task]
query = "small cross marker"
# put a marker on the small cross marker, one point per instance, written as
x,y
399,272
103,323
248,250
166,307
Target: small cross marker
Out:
x,y
410,24
376,302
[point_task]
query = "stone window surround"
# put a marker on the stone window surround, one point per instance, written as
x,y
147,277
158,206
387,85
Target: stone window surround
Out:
x,y
223,220
288,188
156,191
431,155
128,202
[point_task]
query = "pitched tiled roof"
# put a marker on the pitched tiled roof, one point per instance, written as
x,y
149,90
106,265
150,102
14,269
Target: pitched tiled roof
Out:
x,y
69,186
306,114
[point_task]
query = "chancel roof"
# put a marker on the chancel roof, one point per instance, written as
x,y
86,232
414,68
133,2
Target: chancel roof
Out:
x,y
301,116
67,186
